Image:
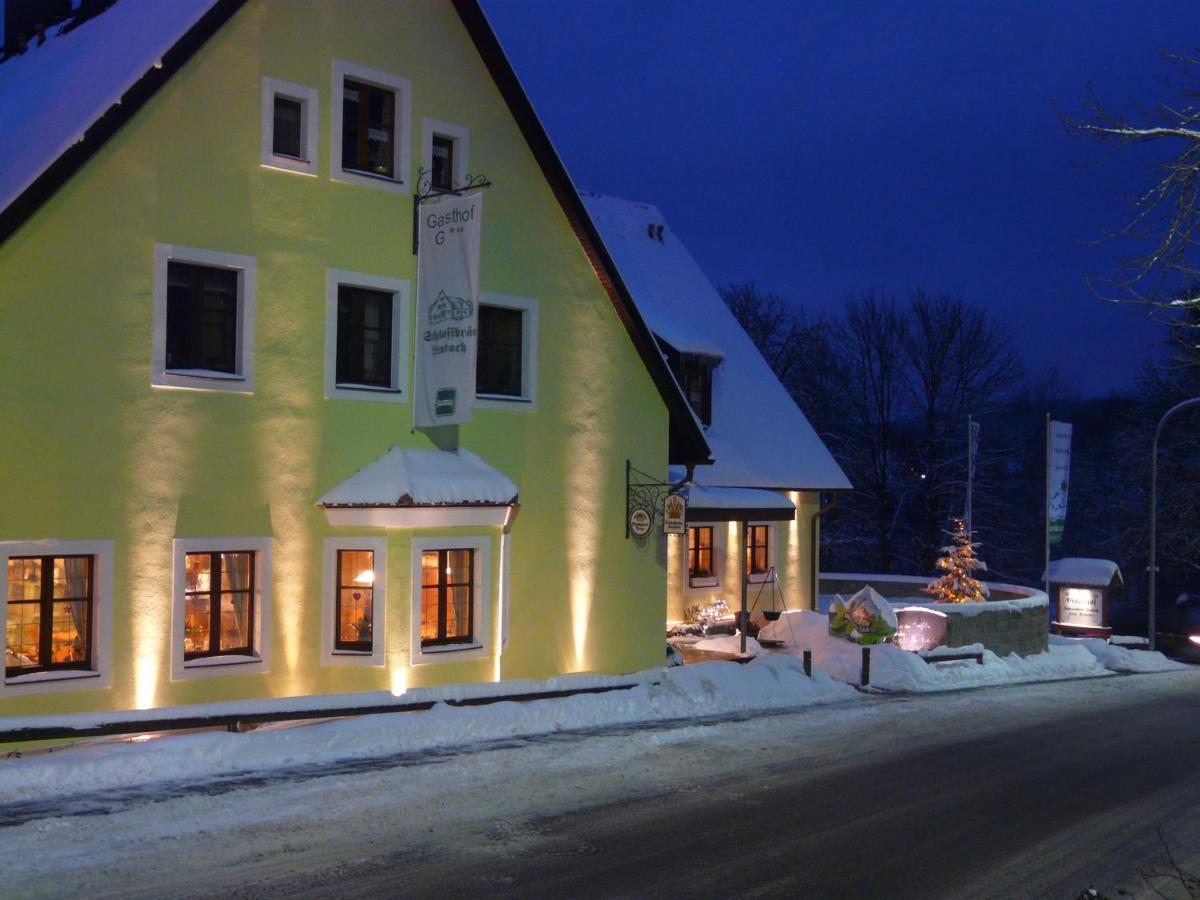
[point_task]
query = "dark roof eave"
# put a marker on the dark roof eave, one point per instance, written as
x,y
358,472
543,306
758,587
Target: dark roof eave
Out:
x,y
19,211
687,443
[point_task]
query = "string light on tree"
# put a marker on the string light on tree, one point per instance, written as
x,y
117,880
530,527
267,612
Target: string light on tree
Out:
x,y
958,564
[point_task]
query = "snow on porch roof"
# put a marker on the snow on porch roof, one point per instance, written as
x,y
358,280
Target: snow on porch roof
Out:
x,y
408,477
1083,570
723,504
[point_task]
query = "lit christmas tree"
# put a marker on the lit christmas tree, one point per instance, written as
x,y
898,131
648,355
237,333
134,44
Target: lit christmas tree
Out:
x,y
958,584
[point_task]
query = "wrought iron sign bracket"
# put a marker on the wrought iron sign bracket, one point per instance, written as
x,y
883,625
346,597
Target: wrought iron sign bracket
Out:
x,y
426,191
644,492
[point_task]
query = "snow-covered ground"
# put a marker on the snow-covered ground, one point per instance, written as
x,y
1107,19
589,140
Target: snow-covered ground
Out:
x,y
692,692
894,669
463,822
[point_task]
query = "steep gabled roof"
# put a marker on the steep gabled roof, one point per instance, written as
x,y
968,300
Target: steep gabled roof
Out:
x,y
759,437
61,102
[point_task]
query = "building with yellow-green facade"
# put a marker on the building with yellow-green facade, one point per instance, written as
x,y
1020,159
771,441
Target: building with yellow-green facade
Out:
x,y
213,486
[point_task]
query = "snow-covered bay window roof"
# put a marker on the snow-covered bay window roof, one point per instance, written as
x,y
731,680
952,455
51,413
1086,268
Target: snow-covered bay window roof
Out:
x,y
710,504
422,488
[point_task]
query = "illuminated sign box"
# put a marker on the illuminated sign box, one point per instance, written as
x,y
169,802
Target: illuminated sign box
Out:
x,y
920,628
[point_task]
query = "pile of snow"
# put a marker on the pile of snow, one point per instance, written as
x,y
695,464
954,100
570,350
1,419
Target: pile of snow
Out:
x,y
729,643
704,690
894,669
1116,658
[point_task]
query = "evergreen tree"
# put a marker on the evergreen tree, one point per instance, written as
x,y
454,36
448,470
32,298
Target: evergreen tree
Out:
x,y
958,563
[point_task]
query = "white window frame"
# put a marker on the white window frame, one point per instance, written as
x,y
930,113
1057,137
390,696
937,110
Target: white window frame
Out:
x,y
705,585
308,99
231,664
527,402
481,603
462,147
241,382
334,657
100,675
401,161
772,537
401,298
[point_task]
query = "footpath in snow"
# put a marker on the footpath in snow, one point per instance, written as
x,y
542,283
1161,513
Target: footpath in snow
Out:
x,y
692,692
894,669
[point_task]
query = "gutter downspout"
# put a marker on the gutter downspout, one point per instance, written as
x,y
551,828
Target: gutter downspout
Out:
x,y
815,549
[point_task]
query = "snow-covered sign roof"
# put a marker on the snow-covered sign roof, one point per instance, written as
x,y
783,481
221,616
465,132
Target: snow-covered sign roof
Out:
x,y
407,477
52,94
759,437
1083,570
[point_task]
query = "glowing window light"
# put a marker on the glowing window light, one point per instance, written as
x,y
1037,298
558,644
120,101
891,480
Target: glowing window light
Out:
x,y
366,576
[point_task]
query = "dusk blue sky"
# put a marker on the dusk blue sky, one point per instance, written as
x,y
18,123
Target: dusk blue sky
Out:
x,y
823,148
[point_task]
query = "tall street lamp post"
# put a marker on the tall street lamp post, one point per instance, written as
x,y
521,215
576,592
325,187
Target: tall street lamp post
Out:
x,y
1194,401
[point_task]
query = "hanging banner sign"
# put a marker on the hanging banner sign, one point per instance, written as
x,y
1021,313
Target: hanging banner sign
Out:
x,y
1058,474
675,514
447,309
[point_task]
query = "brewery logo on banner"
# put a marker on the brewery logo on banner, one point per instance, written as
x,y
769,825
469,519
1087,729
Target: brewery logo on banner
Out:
x,y
1058,476
447,309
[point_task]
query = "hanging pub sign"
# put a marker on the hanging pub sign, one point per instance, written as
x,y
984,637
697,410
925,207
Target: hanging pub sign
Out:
x,y
447,309
675,514
640,521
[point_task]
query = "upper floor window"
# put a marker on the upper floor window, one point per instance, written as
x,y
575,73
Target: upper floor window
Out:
x,y
694,372
369,128
364,337
203,319
444,155
506,352
49,614
289,126
367,334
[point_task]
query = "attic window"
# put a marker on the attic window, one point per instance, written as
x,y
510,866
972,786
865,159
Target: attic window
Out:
x,y
444,151
369,131
694,372
289,126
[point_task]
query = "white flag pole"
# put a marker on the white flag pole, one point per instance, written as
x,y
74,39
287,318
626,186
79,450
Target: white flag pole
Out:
x,y
1046,574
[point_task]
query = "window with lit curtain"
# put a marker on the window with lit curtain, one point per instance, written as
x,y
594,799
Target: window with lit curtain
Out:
x,y
447,596
700,553
355,600
49,614
757,555
218,615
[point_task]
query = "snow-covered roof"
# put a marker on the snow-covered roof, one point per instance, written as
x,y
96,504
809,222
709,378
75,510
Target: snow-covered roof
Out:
x,y
730,504
408,477
759,437
52,94
1083,570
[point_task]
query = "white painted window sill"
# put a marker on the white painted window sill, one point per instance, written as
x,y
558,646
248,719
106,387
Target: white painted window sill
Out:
x,y
209,661
205,373
64,675
449,648
354,654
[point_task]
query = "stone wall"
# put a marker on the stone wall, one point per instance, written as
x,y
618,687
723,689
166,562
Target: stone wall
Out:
x,y
1023,631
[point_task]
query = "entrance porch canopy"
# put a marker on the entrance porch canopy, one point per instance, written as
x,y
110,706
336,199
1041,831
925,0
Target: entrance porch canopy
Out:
x,y
731,504
409,488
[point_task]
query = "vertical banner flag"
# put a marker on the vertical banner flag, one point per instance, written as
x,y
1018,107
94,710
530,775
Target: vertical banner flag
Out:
x,y
972,458
1058,474
447,309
